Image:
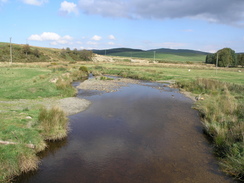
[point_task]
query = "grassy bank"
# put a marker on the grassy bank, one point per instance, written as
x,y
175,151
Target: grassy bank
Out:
x,y
223,119
222,106
25,124
177,72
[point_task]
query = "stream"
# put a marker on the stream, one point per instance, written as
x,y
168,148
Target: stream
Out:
x,y
143,133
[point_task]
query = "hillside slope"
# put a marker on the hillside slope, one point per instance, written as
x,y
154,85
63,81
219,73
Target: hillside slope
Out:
x,y
26,53
161,55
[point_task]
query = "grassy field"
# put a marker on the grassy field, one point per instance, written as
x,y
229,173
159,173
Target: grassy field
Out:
x,y
163,57
178,72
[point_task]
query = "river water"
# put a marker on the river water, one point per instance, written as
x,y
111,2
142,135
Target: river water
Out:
x,y
145,133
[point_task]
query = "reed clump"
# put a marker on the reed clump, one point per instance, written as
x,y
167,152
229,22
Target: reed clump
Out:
x,y
53,123
223,119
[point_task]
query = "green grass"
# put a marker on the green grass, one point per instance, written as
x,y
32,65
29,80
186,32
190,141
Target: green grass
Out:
x,y
54,123
15,127
163,57
21,83
172,72
223,118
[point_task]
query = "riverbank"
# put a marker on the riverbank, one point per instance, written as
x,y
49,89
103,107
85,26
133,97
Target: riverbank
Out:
x,y
34,105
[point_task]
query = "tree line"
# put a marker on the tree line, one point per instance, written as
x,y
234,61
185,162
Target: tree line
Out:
x,y
76,55
225,57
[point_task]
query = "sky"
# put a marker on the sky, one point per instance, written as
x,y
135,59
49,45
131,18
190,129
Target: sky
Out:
x,y
206,25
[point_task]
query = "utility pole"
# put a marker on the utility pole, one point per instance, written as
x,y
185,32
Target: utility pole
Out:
x,y
11,58
154,55
217,60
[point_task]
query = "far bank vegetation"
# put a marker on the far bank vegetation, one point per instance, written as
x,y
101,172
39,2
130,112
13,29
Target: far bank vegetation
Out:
x,y
226,57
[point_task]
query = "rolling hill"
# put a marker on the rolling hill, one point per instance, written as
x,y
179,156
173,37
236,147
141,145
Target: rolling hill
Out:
x,y
161,55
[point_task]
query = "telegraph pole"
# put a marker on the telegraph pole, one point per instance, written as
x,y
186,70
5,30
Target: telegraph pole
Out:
x,y
154,55
11,57
217,60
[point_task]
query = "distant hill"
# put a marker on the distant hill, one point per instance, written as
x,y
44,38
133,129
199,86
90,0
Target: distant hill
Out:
x,y
116,51
179,51
161,55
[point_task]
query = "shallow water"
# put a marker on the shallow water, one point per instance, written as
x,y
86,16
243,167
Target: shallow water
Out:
x,y
142,133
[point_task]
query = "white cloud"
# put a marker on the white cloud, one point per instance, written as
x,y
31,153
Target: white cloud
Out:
x,y
67,37
45,36
111,37
35,2
96,38
68,7
51,36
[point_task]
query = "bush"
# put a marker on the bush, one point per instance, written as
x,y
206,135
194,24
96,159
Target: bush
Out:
x,y
83,68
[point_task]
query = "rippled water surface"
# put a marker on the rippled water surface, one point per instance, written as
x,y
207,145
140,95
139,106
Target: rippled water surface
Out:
x,y
141,134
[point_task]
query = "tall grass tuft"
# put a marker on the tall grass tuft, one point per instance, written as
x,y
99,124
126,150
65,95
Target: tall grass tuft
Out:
x,y
223,120
54,123
66,87
16,159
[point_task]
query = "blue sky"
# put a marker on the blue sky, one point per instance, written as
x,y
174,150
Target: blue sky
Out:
x,y
209,25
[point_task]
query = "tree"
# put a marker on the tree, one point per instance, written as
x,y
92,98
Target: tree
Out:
x,y
36,53
26,49
240,59
226,57
63,53
75,51
68,50
210,59
86,55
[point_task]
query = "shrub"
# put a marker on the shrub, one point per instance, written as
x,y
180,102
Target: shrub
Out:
x,y
83,68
